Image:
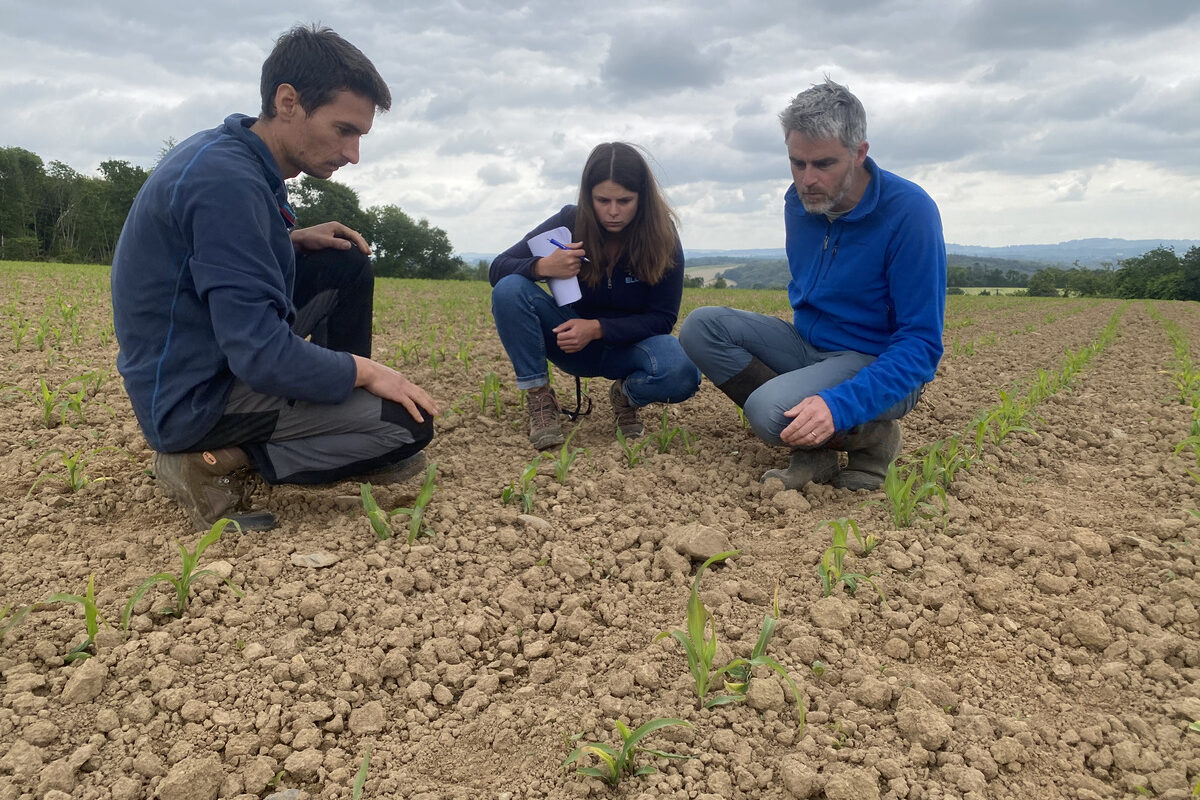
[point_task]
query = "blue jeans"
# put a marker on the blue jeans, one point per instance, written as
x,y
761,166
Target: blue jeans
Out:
x,y
721,341
655,370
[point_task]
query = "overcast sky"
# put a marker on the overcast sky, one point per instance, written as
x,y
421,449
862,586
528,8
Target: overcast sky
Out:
x,y
1027,121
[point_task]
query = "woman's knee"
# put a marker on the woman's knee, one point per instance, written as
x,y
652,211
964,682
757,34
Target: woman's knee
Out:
x,y
511,288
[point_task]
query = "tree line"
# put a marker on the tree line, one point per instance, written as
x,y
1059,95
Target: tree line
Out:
x,y
1159,274
51,212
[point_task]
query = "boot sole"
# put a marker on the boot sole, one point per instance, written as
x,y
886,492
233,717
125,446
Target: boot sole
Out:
x,y
547,439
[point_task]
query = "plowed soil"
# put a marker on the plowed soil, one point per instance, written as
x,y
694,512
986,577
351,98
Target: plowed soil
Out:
x,y
1040,638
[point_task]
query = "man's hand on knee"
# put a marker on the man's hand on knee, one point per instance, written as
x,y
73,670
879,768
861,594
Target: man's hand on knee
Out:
x,y
329,234
812,423
385,382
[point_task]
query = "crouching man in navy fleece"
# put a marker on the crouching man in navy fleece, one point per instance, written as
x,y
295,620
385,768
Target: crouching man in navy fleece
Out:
x,y
868,289
245,342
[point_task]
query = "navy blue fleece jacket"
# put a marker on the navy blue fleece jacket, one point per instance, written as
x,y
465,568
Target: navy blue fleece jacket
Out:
x,y
872,281
629,310
202,284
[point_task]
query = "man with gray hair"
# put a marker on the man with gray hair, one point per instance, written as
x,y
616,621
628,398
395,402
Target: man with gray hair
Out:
x,y
868,290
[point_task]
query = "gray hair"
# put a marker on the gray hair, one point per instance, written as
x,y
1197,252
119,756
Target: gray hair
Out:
x,y
826,111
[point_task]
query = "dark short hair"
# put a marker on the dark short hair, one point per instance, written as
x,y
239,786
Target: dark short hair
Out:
x,y
318,64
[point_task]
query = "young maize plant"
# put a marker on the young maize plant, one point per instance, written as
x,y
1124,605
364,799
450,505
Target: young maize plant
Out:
x,y
360,779
566,458
381,521
907,500
489,395
668,433
699,639
92,618
634,452
10,617
525,487
738,681
831,568
616,764
72,474
188,575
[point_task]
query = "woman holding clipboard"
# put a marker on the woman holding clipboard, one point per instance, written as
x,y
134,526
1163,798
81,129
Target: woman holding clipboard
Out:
x,y
620,244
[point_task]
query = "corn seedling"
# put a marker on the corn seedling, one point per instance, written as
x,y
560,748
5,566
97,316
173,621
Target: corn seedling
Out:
x,y
72,473
742,670
634,452
699,639
381,521
616,764
360,779
668,433
10,617
20,329
49,402
906,498
489,395
464,355
1191,443
525,487
91,618
565,458
188,575
831,568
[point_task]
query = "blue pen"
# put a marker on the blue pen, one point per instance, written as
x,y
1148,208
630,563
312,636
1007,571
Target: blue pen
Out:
x,y
562,246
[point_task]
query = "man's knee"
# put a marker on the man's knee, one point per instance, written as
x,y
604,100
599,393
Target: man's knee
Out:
x,y
698,329
405,429
765,414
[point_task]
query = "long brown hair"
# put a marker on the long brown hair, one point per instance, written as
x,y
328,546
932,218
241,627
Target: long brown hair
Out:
x,y
649,239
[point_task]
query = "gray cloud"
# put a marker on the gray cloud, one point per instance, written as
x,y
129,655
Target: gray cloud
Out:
x,y
496,105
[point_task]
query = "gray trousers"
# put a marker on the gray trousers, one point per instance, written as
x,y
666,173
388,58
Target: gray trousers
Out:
x,y
290,441
721,341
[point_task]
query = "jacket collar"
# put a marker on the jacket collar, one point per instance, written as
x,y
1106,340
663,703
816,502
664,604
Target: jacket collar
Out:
x,y
238,126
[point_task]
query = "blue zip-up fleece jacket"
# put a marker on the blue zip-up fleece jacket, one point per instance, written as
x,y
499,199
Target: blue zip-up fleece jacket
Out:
x,y
873,281
629,310
202,285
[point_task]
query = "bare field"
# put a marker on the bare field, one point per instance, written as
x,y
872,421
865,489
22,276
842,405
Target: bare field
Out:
x,y
1037,633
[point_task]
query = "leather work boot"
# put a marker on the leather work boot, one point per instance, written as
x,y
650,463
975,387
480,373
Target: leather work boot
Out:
x,y
399,472
806,466
544,428
625,412
211,485
871,447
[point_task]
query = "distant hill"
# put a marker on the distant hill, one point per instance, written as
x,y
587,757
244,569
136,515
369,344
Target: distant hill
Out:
x,y
1026,258
1090,253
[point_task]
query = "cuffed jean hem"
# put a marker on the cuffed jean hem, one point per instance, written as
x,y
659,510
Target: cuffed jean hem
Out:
x,y
655,369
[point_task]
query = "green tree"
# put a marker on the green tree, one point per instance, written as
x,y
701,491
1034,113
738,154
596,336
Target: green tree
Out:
x,y
405,248
1041,284
21,178
120,185
1155,274
316,200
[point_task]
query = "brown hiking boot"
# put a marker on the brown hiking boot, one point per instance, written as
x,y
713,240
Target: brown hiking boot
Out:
x,y
626,413
544,428
211,485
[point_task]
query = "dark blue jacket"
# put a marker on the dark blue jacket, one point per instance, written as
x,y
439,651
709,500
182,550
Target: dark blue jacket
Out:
x,y
629,310
873,281
202,284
